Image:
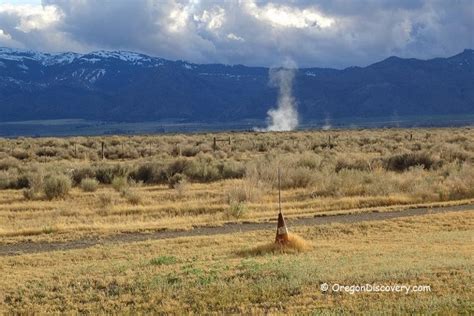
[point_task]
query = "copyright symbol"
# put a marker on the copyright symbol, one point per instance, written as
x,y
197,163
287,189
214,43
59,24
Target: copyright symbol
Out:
x,y
324,287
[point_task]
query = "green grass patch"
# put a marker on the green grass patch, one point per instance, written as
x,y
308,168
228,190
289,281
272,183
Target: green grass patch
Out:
x,y
163,260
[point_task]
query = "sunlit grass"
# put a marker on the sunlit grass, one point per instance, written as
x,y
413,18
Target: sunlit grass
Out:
x,y
210,275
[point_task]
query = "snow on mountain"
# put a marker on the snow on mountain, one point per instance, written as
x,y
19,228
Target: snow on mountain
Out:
x,y
46,59
126,86
79,70
95,75
122,55
188,66
50,59
61,58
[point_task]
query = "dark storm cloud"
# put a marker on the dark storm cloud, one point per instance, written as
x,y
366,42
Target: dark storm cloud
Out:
x,y
331,33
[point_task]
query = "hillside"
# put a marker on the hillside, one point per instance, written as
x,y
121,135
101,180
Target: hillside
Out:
x,y
132,87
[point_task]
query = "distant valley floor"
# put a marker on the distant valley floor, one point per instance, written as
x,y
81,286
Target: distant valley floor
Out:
x,y
80,127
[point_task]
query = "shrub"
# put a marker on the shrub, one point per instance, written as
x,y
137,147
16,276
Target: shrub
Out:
x,y
121,152
29,194
459,184
202,169
236,210
177,166
190,151
295,172
176,179
106,173
6,180
89,185
404,162
150,173
296,178
231,170
352,164
21,154
22,182
248,191
132,196
351,183
47,152
9,163
10,179
308,160
82,173
262,170
119,184
181,187
57,186
33,184
454,153
238,194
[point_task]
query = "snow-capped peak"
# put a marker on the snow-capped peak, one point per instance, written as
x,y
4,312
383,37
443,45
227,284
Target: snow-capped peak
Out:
x,y
122,55
49,59
45,58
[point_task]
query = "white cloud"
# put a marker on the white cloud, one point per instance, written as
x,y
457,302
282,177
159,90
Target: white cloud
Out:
x,y
31,17
212,19
327,33
287,16
178,18
234,37
4,36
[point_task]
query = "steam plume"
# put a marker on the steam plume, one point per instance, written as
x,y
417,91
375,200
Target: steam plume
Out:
x,y
327,123
285,116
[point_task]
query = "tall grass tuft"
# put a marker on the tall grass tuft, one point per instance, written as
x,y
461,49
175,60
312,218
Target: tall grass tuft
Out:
x,y
57,186
89,185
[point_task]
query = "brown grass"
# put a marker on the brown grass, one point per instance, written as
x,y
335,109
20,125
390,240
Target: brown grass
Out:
x,y
204,275
220,184
363,170
295,244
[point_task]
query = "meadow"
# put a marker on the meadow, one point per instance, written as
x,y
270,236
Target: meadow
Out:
x,y
67,189
221,274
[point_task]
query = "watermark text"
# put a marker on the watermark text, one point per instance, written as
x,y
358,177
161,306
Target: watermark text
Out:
x,y
374,288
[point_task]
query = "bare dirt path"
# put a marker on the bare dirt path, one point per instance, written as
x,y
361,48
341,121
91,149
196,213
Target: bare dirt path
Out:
x,y
36,247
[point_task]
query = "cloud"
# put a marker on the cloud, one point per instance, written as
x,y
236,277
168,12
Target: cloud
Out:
x,y
286,16
33,27
327,33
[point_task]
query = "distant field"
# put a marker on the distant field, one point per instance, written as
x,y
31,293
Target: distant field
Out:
x,y
79,127
72,188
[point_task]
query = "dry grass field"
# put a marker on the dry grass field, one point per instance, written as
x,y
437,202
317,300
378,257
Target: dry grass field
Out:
x,y
65,189
220,274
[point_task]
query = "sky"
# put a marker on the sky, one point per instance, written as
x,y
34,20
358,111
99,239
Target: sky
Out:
x,y
312,33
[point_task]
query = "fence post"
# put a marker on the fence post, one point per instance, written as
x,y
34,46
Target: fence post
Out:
x,y
214,146
103,154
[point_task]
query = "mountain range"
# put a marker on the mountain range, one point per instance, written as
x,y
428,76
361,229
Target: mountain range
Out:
x,y
123,86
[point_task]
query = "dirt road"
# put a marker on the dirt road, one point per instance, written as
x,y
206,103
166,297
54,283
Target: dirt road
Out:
x,y
33,247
